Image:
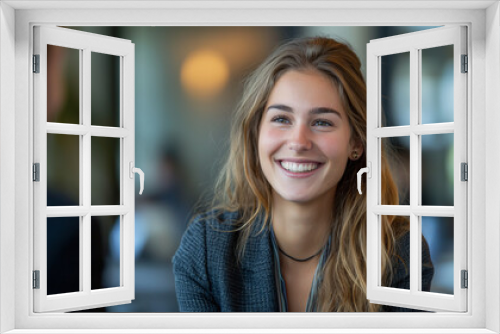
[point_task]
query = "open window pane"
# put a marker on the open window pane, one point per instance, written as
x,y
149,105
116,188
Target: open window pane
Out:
x,y
105,170
398,161
395,95
437,85
63,170
105,252
63,85
437,170
438,233
105,90
63,255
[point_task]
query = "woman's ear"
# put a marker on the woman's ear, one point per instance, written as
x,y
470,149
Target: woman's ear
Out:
x,y
356,149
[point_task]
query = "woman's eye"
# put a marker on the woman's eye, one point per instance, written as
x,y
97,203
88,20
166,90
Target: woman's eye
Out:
x,y
280,119
322,122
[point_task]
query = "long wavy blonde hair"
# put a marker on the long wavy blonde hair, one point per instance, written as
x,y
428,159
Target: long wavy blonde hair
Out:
x,y
242,186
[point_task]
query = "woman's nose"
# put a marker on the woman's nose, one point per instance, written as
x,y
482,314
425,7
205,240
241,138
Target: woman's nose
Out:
x,y
300,139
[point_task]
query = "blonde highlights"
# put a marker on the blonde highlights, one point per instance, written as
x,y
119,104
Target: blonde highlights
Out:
x,y
242,186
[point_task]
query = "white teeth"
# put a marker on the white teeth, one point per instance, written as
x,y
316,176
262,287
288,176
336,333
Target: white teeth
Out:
x,y
298,167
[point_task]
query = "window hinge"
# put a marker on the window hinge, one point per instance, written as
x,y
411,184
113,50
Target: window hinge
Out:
x,y
36,63
36,279
36,172
465,279
465,64
464,171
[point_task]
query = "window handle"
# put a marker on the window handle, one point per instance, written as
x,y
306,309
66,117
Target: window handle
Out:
x,y
141,175
368,171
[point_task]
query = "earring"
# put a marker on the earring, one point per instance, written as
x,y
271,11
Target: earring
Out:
x,y
354,155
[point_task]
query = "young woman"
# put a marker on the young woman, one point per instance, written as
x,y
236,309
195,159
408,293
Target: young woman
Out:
x,y
288,228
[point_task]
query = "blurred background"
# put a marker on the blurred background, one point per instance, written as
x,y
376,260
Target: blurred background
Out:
x,y
187,83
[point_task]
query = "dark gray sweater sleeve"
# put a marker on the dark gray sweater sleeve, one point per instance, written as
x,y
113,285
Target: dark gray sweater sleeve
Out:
x,y
401,278
192,284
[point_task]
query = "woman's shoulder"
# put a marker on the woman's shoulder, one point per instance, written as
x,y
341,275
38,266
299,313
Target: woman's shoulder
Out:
x,y
401,232
210,227
401,262
402,246
206,231
215,221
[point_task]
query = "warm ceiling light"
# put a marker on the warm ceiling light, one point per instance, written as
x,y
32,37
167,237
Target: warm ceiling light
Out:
x,y
204,73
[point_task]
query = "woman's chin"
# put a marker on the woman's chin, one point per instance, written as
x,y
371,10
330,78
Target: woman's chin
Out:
x,y
304,196
297,198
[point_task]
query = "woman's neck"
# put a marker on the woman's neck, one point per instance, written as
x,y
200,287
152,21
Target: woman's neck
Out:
x,y
301,229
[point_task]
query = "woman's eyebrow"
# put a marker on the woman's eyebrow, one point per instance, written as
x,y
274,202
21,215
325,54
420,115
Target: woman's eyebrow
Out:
x,y
280,107
315,111
324,110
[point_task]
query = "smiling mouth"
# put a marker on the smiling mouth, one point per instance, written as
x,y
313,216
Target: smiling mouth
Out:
x,y
296,167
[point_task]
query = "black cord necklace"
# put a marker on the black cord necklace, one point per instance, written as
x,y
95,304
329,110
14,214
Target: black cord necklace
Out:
x,y
299,260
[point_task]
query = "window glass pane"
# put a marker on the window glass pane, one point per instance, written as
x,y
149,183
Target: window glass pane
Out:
x,y
63,85
105,252
105,171
398,161
437,85
438,233
63,255
400,259
63,176
437,169
395,89
105,89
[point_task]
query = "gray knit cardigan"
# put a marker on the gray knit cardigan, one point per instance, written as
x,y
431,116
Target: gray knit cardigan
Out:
x,y
208,278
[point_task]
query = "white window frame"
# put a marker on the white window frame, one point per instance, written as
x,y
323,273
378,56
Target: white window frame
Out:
x,y
16,21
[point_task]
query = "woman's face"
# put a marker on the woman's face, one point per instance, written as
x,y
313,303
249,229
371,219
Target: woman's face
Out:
x,y
305,138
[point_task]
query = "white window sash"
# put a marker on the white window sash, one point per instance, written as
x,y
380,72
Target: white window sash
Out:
x,y
87,43
413,43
